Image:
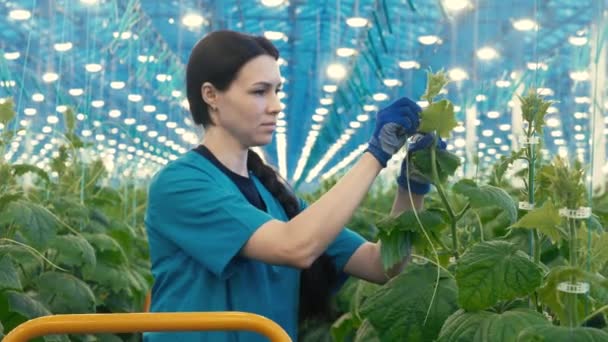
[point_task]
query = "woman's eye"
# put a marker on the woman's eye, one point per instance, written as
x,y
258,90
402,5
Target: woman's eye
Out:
x,y
259,92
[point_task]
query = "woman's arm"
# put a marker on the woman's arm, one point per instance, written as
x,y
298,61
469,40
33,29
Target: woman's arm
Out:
x,y
366,262
301,240
403,202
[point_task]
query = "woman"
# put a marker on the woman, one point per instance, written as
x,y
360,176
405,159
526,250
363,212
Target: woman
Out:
x,y
226,233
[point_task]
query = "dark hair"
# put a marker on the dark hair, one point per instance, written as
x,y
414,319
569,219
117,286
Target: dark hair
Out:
x,y
217,59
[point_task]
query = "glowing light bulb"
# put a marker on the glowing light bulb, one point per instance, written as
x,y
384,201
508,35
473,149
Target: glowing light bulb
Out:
x,y
356,22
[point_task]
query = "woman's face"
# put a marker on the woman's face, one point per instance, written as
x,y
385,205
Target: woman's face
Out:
x,y
248,109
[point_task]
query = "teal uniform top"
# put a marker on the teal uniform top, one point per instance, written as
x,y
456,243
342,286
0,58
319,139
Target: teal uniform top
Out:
x,y
197,221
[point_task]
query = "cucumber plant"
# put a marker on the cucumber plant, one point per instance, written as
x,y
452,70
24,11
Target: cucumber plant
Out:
x,y
477,287
63,246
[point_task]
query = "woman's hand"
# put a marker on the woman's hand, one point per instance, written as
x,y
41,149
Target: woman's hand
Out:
x,y
394,124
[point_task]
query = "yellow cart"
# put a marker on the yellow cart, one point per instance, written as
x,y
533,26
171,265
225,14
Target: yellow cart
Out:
x,y
143,322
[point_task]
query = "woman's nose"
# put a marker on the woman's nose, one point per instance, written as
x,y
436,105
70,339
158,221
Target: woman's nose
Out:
x,y
274,104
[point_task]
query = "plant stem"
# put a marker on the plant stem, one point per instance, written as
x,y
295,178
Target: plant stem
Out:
x,y
463,211
533,235
572,314
531,167
444,199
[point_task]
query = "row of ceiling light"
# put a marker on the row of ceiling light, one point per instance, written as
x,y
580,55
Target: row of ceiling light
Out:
x,y
337,71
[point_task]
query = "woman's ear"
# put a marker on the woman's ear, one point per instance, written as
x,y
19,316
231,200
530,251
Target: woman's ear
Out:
x,y
209,95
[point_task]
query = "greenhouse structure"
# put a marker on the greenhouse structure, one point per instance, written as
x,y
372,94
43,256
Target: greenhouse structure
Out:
x,y
304,170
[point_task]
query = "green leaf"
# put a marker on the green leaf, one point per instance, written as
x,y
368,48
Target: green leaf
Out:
x,y
64,293
7,111
6,178
9,278
9,197
363,290
344,328
482,326
17,307
503,164
59,163
397,311
493,271
73,250
597,254
562,334
395,232
557,300
25,259
439,117
70,120
366,333
107,275
407,222
534,108
463,326
36,223
495,221
8,318
25,305
94,173
434,83
74,140
107,249
345,296
21,169
486,196
566,182
106,196
137,282
98,216
394,247
545,219
125,237
447,164
124,301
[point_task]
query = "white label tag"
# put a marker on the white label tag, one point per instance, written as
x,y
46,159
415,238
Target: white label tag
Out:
x,y
573,288
580,213
529,141
526,206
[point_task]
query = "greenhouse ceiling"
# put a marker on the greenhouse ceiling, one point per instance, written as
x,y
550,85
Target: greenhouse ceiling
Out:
x,y
120,65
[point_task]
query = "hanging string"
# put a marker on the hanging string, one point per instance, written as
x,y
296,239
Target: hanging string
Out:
x,y
535,46
58,71
600,38
88,99
22,83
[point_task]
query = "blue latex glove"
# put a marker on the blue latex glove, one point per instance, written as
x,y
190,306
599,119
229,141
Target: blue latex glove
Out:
x,y
409,177
394,124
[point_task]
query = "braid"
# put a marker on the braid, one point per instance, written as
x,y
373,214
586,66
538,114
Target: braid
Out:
x,y
316,282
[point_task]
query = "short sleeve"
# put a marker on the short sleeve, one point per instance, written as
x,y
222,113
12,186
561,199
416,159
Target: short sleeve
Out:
x,y
208,222
342,248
